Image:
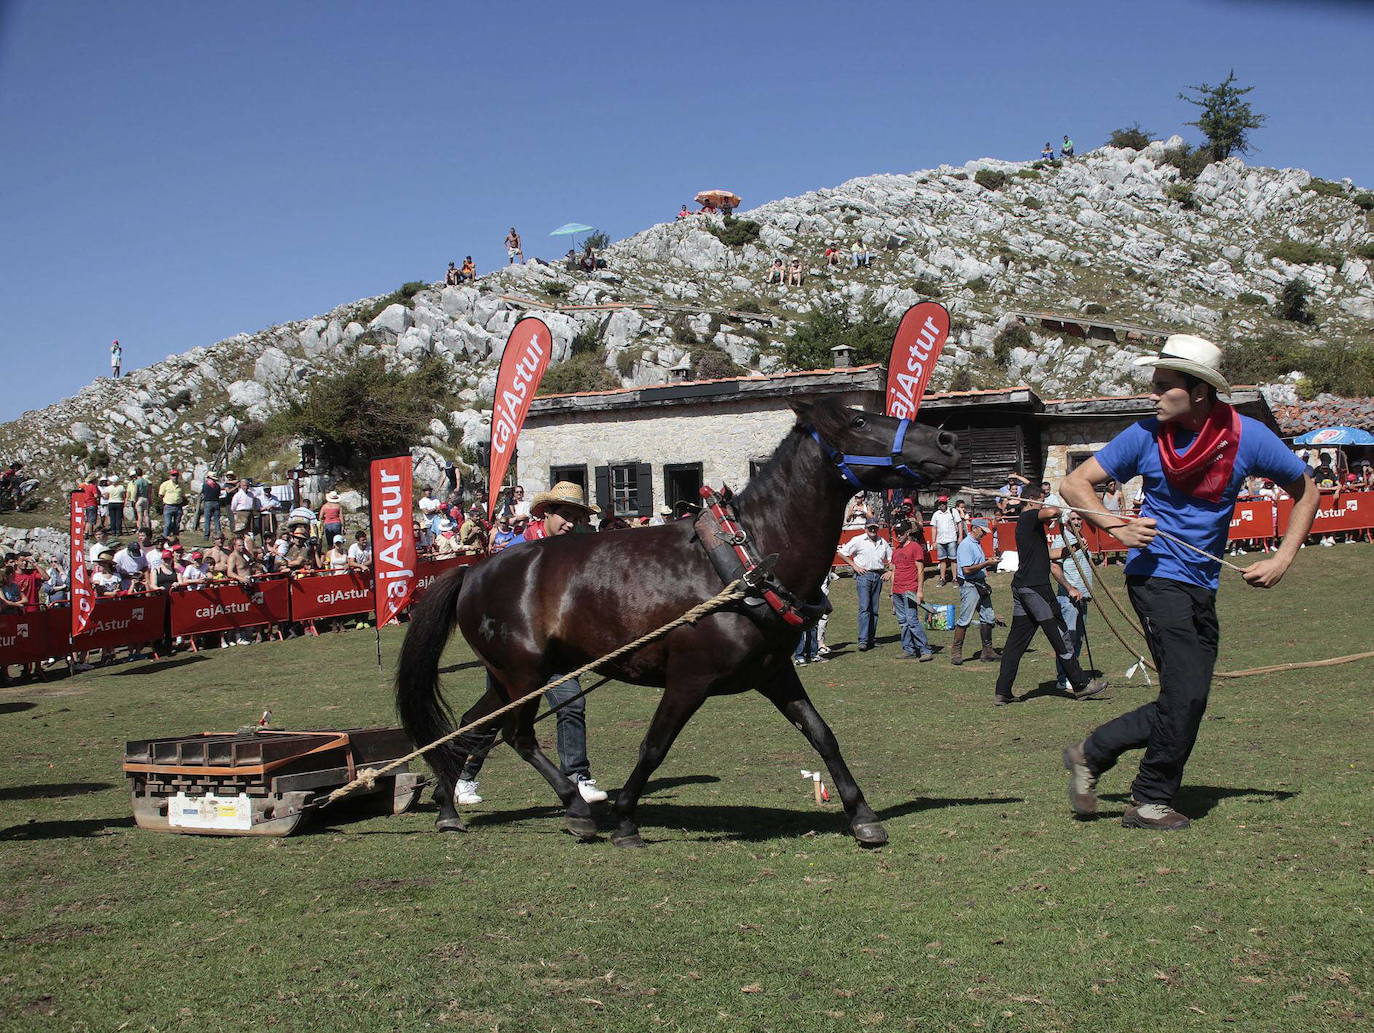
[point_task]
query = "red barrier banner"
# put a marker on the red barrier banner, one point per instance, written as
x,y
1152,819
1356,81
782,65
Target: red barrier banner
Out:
x,y
27,638
124,620
1252,520
522,367
222,606
83,593
340,594
915,348
1352,511
393,537
427,570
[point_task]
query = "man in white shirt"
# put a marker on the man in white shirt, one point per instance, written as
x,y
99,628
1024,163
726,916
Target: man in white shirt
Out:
x,y
946,528
871,559
243,504
130,565
360,553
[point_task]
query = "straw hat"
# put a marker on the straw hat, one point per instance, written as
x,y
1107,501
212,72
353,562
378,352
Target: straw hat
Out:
x,y
332,496
1193,355
564,493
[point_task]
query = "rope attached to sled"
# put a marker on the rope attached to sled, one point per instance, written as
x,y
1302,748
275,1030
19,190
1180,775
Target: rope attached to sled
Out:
x,y
367,778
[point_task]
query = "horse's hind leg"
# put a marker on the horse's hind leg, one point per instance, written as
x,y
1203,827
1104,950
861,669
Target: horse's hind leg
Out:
x,y
448,760
519,732
786,693
676,708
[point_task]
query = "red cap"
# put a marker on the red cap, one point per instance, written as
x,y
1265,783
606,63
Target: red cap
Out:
x,y
174,473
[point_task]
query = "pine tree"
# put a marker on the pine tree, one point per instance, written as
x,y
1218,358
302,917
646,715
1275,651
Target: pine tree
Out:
x,y
1226,118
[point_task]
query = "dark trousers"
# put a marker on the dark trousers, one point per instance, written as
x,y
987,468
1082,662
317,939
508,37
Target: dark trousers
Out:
x,y
1180,622
1036,613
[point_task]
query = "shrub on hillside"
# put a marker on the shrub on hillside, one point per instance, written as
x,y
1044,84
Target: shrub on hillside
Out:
x,y
1014,335
1028,174
1131,138
1292,303
585,372
928,288
557,288
1298,253
363,409
1033,203
1183,194
829,324
713,363
990,179
682,330
586,340
1094,308
1363,200
962,380
598,241
1190,161
1325,187
402,295
736,232
1247,298
751,306
1344,369
625,363
1365,250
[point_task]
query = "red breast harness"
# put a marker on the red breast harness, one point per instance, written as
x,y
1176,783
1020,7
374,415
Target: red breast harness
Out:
x,y
732,554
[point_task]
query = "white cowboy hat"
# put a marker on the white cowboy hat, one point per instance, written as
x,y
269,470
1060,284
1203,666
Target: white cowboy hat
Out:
x,y
564,493
1193,355
332,496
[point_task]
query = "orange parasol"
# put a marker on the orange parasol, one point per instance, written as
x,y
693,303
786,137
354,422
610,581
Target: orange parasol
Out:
x,y
719,198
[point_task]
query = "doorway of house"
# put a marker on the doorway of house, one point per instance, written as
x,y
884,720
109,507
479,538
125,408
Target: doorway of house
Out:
x,y
681,484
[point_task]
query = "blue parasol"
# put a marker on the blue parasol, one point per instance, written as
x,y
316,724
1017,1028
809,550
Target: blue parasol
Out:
x,y
1336,436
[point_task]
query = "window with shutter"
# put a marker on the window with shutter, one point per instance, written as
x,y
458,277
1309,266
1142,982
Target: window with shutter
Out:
x,y
603,488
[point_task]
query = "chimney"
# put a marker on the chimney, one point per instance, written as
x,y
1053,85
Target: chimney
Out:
x,y
844,356
682,371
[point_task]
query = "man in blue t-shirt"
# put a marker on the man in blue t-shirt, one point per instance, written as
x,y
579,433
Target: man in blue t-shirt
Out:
x,y
1192,458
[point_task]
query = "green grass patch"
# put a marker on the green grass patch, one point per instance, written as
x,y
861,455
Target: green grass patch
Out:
x,y
751,910
1298,253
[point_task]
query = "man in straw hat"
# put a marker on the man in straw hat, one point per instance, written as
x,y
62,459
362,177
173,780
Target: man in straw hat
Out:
x,y
1193,456
554,512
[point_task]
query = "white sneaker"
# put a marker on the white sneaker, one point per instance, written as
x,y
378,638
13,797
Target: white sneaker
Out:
x,y
465,793
586,788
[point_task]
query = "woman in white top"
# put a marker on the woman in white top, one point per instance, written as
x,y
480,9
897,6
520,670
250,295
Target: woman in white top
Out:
x,y
858,513
337,557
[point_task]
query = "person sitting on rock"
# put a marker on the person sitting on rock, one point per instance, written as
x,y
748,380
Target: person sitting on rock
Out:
x,y
777,273
451,277
1047,152
794,273
683,212
1066,151
468,273
832,255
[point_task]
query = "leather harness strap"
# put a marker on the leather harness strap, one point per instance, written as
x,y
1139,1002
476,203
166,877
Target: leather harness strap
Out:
x,y
731,552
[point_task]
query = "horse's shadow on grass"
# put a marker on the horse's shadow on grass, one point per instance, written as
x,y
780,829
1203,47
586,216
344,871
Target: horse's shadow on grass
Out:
x,y
16,706
85,828
1198,801
739,823
454,668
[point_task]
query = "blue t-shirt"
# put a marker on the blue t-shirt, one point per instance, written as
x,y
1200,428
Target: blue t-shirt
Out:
x,y
1135,451
970,554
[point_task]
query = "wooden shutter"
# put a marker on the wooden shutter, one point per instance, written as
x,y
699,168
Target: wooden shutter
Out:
x,y
603,489
644,489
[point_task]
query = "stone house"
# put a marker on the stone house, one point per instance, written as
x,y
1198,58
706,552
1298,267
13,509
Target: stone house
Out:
x,y
637,449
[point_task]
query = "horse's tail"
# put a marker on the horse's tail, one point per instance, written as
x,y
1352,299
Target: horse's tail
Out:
x,y
424,713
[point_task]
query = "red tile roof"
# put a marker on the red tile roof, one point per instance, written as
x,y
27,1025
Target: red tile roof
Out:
x,y
1325,412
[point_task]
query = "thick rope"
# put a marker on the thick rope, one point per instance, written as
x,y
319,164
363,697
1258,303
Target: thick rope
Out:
x,y
368,776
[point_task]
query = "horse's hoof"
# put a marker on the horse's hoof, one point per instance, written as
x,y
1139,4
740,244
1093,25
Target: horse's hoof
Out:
x,y
450,825
583,828
869,833
632,840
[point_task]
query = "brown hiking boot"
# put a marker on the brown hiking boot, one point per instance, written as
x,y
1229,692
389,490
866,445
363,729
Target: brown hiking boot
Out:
x,y
988,654
1093,688
1154,816
1082,782
956,651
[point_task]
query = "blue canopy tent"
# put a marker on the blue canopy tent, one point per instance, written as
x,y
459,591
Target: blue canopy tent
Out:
x,y
1335,436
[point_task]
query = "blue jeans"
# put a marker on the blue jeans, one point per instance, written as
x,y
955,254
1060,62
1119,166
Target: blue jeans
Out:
x,y
210,510
908,612
1075,619
171,519
572,734
807,645
870,587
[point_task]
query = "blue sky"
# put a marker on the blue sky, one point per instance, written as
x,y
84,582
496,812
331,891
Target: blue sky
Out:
x,y
176,173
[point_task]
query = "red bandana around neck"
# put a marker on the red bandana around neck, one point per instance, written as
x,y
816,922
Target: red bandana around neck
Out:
x,y
1205,471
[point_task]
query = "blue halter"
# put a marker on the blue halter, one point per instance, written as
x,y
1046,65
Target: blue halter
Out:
x,y
841,461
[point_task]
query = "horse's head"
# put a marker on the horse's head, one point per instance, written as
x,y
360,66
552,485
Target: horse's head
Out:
x,y
872,451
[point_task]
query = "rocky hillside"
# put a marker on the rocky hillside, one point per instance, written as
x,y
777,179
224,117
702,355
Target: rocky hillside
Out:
x,y
1116,234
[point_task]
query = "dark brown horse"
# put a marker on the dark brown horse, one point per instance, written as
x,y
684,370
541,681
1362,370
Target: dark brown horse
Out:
x,y
549,607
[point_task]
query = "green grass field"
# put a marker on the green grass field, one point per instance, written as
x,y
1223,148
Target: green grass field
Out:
x,y
991,909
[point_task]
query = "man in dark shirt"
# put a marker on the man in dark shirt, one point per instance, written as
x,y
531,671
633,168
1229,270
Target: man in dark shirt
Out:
x,y
1033,603
211,496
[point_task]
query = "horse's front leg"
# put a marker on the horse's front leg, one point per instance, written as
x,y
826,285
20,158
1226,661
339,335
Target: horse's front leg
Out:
x,y
786,693
681,699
